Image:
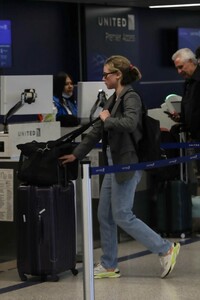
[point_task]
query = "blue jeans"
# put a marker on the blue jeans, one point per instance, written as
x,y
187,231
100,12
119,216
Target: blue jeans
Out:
x,y
115,208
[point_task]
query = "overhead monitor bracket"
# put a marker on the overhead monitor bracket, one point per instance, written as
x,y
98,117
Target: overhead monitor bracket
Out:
x,y
28,96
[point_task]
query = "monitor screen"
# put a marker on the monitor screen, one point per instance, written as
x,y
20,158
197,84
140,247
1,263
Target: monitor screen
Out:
x,y
5,44
189,38
169,45
87,95
13,86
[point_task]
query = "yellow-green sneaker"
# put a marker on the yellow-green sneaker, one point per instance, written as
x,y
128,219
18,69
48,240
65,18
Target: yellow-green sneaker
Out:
x,y
168,261
100,272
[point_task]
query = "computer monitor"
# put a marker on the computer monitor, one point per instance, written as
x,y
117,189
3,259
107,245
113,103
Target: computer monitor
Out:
x,y
12,87
188,38
5,44
87,95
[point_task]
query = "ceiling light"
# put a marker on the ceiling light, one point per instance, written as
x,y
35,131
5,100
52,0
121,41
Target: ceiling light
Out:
x,y
175,5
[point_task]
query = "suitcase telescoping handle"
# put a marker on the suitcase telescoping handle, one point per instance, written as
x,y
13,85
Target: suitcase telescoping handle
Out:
x,y
60,182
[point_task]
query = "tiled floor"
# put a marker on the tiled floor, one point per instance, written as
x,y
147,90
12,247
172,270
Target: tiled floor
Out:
x,y
140,278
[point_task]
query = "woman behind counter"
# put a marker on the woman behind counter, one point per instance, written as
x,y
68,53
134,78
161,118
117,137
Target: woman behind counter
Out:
x,y
64,101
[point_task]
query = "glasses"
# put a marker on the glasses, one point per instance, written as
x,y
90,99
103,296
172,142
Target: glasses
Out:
x,y
105,75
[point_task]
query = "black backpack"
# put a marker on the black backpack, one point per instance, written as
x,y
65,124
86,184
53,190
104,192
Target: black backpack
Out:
x,y
148,148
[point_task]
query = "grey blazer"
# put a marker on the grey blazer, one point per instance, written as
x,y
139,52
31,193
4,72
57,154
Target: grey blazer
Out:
x,y
125,120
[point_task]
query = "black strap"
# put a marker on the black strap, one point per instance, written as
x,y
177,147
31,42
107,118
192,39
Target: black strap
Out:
x,y
70,136
144,109
144,112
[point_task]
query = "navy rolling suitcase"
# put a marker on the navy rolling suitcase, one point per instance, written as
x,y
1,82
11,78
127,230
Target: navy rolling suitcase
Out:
x,y
174,208
46,236
174,203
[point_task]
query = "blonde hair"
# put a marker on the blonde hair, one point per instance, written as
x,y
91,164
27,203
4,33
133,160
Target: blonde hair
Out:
x,y
130,73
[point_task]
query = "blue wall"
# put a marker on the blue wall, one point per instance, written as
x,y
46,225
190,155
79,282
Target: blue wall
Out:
x,y
45,38
156,44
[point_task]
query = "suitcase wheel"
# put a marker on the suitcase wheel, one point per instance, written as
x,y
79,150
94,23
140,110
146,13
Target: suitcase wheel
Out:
x,y
23,277
55,278
43,277
74,271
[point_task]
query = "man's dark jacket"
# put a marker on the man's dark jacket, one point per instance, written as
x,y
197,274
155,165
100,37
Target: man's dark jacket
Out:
x,y
190,106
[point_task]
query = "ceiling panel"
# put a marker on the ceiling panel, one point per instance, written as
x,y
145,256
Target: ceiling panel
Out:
x,y
132,3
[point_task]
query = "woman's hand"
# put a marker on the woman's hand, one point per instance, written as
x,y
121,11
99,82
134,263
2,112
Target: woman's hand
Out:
x,y
175,117
104,115
67,158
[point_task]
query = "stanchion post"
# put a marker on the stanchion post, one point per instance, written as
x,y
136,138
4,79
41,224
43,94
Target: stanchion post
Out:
x,y
88,275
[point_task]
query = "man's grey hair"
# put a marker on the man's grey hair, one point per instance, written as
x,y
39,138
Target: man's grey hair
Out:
x,y
185,54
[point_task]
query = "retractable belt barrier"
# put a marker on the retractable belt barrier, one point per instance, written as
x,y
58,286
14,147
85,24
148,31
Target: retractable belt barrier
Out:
x,y
99,170
87,171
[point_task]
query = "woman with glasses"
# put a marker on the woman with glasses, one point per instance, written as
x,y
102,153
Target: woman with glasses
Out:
x,y
121,119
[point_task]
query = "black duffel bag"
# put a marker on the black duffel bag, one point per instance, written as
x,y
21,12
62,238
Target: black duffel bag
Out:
x,y
39,161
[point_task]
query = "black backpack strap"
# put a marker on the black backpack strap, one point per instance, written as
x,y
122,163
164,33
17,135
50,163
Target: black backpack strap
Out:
x,y
144,112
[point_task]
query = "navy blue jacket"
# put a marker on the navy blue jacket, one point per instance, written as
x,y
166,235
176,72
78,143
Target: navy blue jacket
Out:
x,y
61,109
